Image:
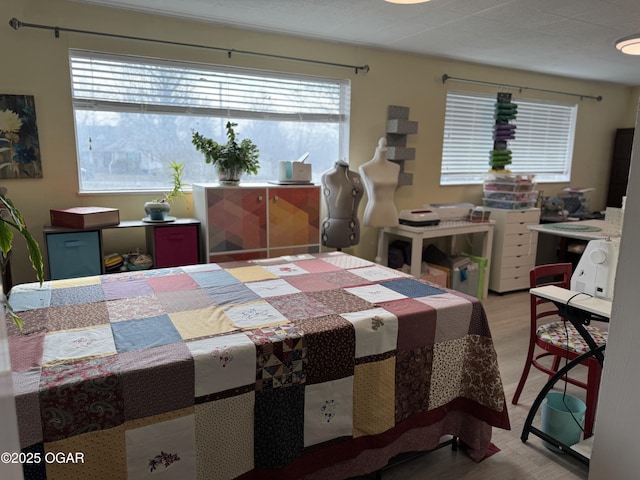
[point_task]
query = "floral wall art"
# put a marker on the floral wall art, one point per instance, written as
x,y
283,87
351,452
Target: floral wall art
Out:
x,y
19,144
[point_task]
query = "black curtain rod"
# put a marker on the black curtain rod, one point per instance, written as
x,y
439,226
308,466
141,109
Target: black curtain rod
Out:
x,y
446,77
16,24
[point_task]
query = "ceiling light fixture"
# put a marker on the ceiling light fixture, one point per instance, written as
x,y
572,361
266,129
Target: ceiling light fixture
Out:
x,y
406,2
629,45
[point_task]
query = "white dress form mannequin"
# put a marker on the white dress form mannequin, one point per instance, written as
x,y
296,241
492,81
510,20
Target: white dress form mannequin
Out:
x,y
380,178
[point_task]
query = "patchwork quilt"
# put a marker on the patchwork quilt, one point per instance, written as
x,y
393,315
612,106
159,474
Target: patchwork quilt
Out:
x,y
317,366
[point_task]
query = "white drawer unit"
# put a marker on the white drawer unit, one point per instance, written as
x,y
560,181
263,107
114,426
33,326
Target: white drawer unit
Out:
x,y
514,248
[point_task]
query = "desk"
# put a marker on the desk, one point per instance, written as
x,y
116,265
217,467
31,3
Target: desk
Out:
x,y
482,241
578,308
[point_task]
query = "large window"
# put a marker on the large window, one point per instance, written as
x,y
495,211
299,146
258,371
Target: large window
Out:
x,y
543,145
135,115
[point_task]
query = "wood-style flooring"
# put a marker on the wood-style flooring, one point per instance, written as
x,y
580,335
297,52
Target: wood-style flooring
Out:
x,y
508,316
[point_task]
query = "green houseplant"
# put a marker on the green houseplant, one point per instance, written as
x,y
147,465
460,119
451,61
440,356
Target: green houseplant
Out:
x,y
158,209
11,219
231,159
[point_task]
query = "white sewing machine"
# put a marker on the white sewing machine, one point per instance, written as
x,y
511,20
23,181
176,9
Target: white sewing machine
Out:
x,y
596,270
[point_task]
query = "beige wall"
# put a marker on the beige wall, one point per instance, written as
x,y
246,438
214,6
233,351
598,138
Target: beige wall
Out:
x,y
36,63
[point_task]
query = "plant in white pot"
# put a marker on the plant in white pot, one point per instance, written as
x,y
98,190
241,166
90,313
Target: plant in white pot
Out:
x,y
158,209
231,159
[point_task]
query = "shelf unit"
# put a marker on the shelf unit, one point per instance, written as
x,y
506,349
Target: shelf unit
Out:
x,y
75,253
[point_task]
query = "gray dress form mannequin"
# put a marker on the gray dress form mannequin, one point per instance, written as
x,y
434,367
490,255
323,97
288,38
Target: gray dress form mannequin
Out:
x,y
342,191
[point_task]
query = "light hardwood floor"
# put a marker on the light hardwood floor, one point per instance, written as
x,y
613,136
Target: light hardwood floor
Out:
x,y
508,317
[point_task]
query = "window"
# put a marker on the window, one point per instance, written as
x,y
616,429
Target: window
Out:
x,y
543,145
134,115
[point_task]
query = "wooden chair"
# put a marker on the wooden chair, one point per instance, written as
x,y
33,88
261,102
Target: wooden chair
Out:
x,y
551,337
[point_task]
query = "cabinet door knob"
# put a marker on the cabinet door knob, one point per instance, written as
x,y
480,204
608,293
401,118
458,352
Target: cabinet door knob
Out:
x,y
275,198
259,198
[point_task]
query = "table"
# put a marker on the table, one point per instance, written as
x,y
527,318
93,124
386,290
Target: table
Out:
x,y
578,308
482,240
582,230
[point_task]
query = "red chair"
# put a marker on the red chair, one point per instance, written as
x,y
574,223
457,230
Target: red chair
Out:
x,y
551,337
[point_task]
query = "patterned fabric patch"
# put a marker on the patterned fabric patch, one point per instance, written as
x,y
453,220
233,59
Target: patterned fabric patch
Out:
x,y
272,288
281,357
375,293
346,261
200,267
35,471
166,448
77,316
26,351
33,321
223,362
77,344
416,325
286,269
413,381
317,266
202,323
254,315
99,450
134,288
377,273
373,399
454,315
30,296
25,388
376,331
224,437
183,300
230,294
136,307
410,287
76,295
299,307
134,334
341,301
555,333
172,283
145,375
76,282
279,426
309,283
479,323
80,397
481,376
329,334
214,278
448,361
252,274
327,411
343,279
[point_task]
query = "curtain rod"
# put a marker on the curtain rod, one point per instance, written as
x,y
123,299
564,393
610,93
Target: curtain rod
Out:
x,y
446,77
16,24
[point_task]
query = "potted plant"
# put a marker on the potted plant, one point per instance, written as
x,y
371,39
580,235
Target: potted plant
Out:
x,y
231,159
11,219
158,209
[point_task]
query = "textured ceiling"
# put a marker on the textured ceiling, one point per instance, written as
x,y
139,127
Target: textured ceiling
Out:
x,y
573,38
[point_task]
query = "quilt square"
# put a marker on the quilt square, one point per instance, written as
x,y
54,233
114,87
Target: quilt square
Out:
x,y
222,363
224,437
172,283
374,397
375,293
77,316
254,315
286,269
214,278
133,288
75,282
413,381
135,307
299,307
184,300
454,315
135,334
317,266
203,322
412,287
232,294
156,380
103,453
30,296
252,273
334,334
25,389
33,322
272,288
309,283
341,301
417,326
85,395
26,351
376,331
200,267
448,364
328,411
377,273
279,426
345,261
167,448
76,295
78,344
343,279
36,470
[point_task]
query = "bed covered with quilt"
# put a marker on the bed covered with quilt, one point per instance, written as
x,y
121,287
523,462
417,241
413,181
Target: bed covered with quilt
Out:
x,y
315,366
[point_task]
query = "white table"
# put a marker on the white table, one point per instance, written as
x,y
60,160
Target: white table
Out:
x,y
572,229
482,239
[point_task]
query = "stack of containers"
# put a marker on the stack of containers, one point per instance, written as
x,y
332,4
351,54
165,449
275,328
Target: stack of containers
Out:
x,y
509,191
503,131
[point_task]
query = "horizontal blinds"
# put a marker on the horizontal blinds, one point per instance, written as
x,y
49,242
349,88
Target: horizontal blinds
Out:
x,y
122,83
543,143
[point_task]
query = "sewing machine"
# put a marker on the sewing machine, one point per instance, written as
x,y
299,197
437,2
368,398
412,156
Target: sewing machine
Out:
x,y
596,270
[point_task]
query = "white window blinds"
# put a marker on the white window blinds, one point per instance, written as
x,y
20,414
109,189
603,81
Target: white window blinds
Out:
x,y
543,143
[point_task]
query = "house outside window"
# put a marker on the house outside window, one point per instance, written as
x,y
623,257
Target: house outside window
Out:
x,y
543,145
135,115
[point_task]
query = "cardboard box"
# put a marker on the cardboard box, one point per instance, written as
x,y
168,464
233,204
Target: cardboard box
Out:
x,y
82,218
436,274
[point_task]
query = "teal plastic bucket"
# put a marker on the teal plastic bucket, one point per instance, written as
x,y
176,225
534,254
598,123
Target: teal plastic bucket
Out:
x,y
562,418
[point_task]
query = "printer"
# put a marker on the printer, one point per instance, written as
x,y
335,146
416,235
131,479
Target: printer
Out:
x,y
596,271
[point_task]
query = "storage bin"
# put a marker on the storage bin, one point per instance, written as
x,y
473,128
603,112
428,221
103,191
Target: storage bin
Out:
x,y
521,196
508,204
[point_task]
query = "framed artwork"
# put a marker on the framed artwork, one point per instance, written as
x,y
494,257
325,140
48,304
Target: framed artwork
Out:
x,y
19,144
